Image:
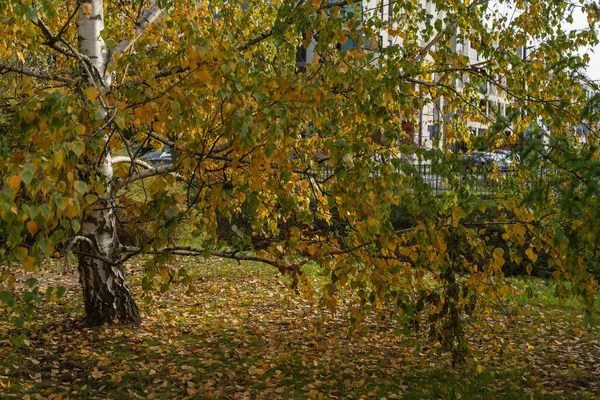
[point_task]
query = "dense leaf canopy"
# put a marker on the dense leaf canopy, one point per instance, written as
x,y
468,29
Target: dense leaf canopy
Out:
x,y
291,166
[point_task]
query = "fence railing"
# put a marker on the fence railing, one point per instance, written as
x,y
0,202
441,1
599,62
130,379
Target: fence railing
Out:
x,y
485,181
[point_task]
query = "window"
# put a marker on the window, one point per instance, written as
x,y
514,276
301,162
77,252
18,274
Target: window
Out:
x,y
301,58
433,131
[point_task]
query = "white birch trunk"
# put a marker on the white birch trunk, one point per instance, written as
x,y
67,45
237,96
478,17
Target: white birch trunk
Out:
x,y
106,294
90,24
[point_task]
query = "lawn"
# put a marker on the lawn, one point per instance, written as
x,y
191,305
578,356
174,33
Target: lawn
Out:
x,y
243,335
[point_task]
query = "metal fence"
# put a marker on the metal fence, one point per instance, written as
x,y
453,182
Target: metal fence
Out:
x,y
483,181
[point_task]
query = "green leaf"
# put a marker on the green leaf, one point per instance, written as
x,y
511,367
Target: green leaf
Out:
x,y
28,173
21,339
91,198
43,245
78,148
80,187
31,297
7,298
75,225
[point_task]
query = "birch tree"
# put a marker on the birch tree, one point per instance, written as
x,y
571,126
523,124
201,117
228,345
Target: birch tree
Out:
x,y
284,164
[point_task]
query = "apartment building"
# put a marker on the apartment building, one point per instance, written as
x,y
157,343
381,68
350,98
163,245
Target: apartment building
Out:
x,y
431,118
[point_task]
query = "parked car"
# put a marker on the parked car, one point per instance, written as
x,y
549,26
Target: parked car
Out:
x,y
484,161
504,160
163,157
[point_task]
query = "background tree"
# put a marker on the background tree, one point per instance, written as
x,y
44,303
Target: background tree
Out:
x,y
288,166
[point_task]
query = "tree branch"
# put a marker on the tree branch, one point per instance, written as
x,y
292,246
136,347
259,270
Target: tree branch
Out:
x,y
197,252
125,159
161,139
140,28
444,31
47,77
269,32
147,173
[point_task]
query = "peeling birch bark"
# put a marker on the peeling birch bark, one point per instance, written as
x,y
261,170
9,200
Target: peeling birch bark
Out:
x,y
106,295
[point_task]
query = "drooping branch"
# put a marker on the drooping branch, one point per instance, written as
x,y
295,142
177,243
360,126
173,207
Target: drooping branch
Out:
x,y
48,77
198,252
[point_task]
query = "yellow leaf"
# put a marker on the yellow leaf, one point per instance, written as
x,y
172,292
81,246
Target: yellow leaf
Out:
x,y
498,255
72,211
32,227
92,93
479,369
14,182
96,374
229,108
164,274
457,214
344,37
531,255
28,263
87,9
537,65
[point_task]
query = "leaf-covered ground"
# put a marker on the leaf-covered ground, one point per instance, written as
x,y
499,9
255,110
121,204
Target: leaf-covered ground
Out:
x,y
243,335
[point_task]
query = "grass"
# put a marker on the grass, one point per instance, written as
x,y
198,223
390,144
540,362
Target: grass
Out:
x,y
243,334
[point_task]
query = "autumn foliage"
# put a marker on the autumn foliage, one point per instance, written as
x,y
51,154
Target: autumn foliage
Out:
x,y
295,167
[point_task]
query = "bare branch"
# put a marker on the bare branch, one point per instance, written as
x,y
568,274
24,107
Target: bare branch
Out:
x,y
161,139
66,25
147,173
106,123
198,252
125,159
141,26
47,77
